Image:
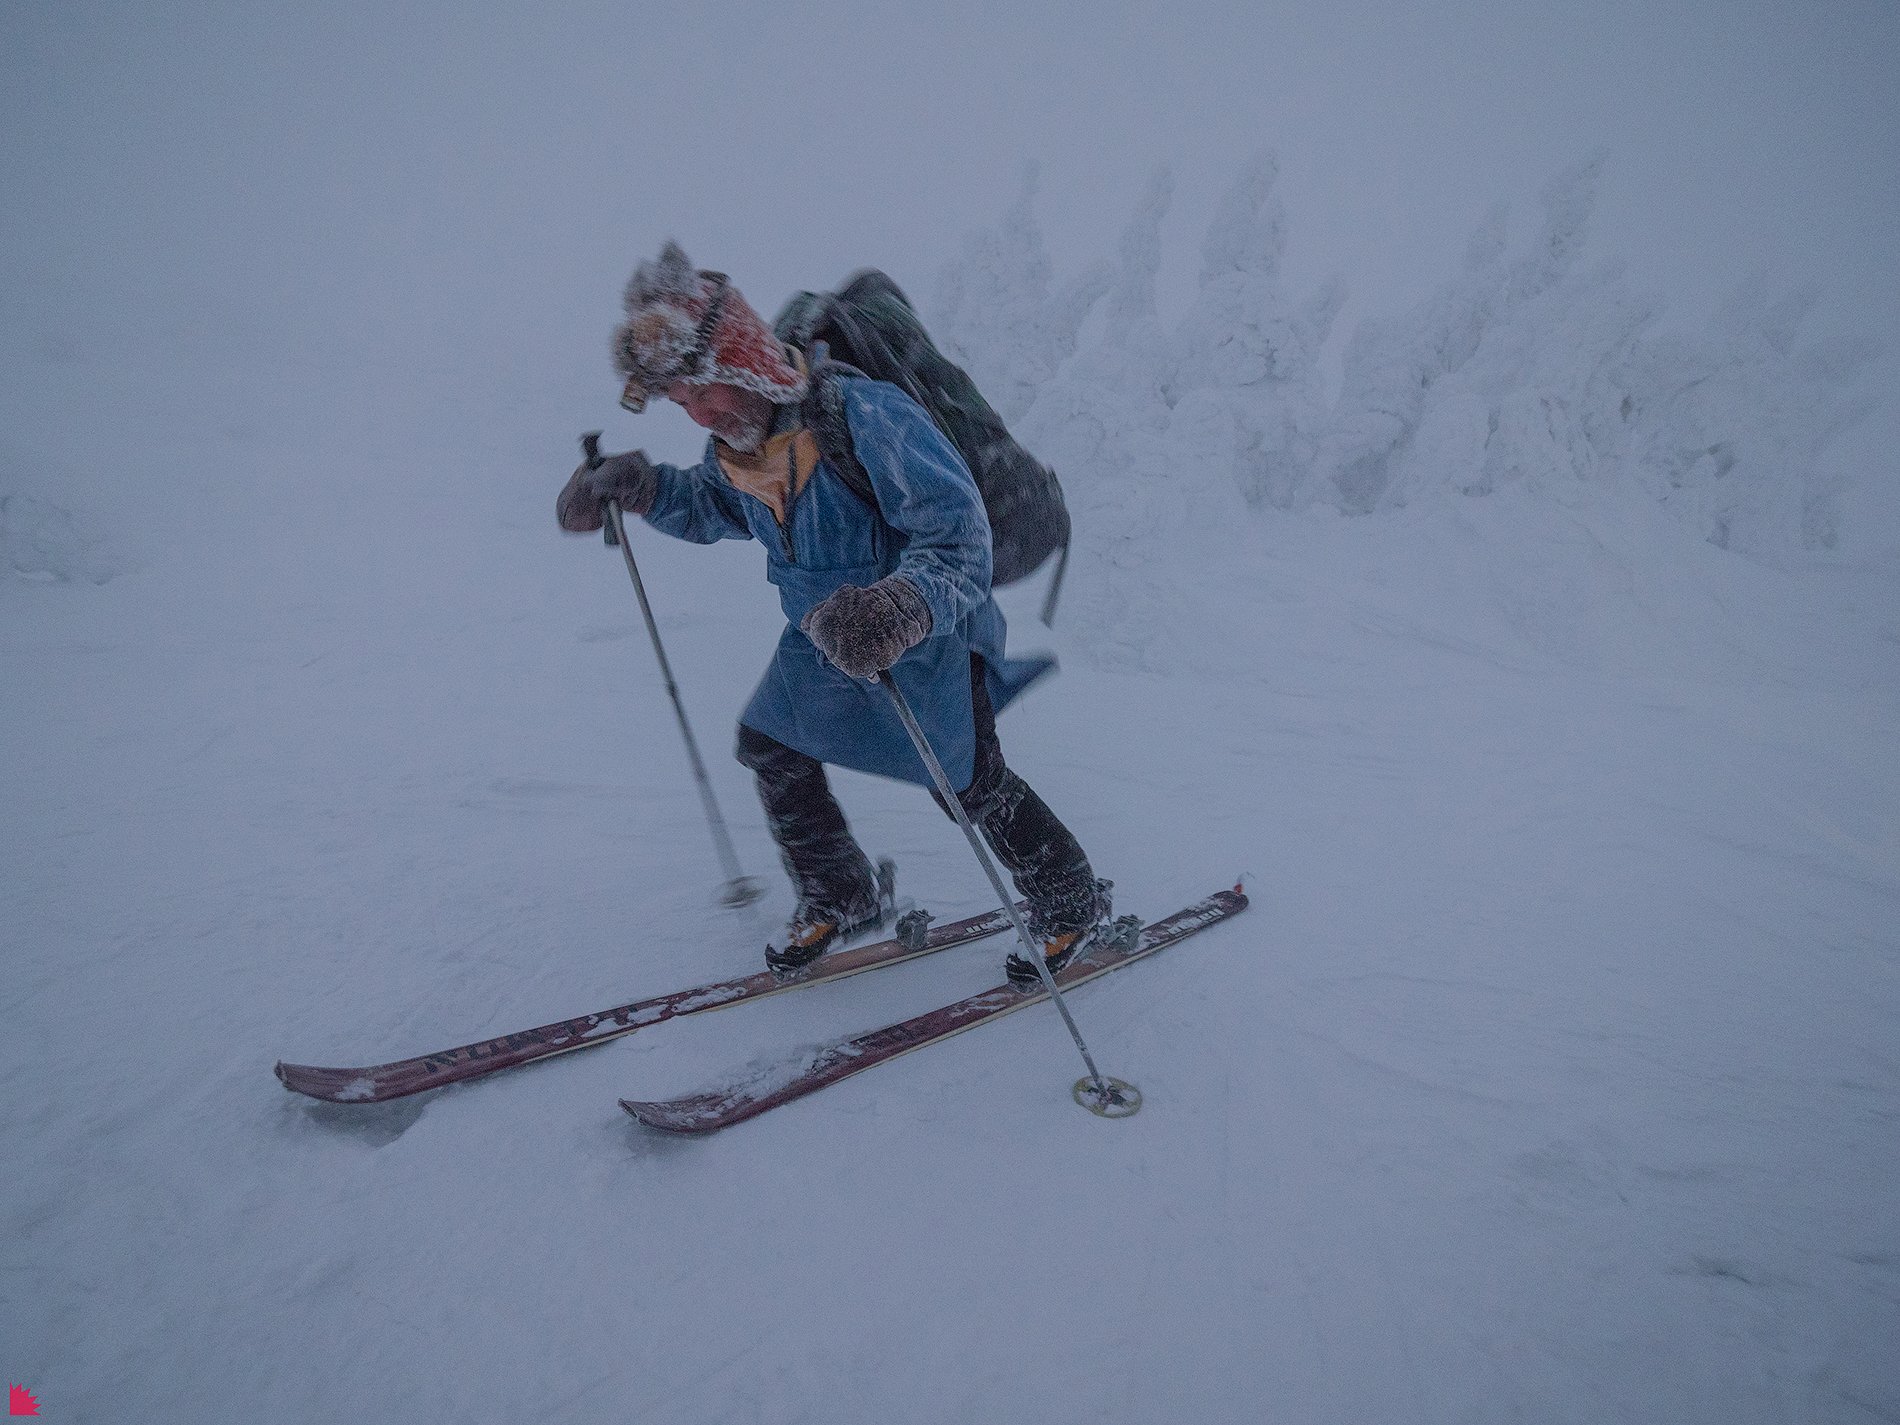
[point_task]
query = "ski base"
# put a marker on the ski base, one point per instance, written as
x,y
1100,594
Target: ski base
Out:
x,y
381,1082
709,1111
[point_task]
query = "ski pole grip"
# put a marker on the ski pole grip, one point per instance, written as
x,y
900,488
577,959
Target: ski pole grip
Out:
x,y
590,450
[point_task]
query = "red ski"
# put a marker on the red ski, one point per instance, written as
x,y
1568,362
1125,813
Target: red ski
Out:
x,y
720,1108
381,1082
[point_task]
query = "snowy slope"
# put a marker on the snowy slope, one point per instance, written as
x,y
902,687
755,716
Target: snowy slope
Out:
x,y
1507,628
1550,1078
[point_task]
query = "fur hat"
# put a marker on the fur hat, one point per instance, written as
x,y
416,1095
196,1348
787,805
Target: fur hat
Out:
x,y
683,324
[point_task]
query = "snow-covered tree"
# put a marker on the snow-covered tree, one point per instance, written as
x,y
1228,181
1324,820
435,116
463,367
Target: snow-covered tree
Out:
x,y
1535,401
1390,366
999,312
1533,370
1529,371
1245,386
1727,426
1107,404
1102,423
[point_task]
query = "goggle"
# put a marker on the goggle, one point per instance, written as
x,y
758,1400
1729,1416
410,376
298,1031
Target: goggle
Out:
x,y
642,388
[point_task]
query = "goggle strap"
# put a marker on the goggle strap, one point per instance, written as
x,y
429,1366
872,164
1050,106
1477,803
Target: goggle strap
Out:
x,y
703,333
633,396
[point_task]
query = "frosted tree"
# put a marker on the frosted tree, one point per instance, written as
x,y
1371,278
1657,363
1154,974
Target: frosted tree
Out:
x,y
1532,370
1527,372
1102,422
1392,367
1726,427
1001,315
1569,203
1245,386
1536,402
1107,403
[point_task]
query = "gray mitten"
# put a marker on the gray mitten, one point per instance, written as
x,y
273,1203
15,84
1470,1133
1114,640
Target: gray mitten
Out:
x,y
864,631
628,478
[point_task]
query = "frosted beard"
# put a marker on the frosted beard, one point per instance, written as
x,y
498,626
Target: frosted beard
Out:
x,y
744,434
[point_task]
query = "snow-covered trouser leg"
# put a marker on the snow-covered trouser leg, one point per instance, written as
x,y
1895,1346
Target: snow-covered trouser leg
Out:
x,y
831,873
1042,855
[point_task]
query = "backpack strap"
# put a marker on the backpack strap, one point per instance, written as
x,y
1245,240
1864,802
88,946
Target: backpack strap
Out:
x,y
825,416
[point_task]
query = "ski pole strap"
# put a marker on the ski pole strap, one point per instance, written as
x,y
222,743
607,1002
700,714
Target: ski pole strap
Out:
x,y
590,450
1055,587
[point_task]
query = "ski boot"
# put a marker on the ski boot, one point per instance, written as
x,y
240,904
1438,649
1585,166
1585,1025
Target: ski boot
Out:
x,y
1059,948
814,929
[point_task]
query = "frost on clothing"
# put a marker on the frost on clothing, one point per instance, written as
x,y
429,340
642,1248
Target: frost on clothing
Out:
x,y
684,324
932,531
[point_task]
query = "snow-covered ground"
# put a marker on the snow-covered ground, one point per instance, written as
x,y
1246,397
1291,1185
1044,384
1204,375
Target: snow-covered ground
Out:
x,y
1551,1077
1516,644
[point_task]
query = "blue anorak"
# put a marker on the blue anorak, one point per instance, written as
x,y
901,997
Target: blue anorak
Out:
x,y
929,527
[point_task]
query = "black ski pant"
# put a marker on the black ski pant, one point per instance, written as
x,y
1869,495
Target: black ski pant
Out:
x,y
832,873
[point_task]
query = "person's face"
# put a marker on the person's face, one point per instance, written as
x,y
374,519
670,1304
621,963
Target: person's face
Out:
x,y
737,416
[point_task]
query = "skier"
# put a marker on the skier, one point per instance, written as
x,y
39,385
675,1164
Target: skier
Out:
x,y
901,583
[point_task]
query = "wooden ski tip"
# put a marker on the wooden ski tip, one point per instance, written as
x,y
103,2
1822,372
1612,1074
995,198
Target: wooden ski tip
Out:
x,y
333,1085
668,1118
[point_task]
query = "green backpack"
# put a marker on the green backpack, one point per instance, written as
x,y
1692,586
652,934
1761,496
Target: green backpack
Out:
x,y
869,325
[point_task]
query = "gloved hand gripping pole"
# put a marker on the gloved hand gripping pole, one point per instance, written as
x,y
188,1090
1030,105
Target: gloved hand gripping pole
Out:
x,y
740,889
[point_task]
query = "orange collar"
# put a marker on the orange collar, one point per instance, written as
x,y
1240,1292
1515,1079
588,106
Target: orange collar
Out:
x,y
776,472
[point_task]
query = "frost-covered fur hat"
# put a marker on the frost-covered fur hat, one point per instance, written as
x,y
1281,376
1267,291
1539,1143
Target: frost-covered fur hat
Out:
x,y
687,325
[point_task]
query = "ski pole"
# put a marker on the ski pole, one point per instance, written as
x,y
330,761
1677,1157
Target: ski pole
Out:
x,y
1107,1097
740,889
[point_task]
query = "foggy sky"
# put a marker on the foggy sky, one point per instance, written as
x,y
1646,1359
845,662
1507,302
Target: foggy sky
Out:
x,y
370,203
